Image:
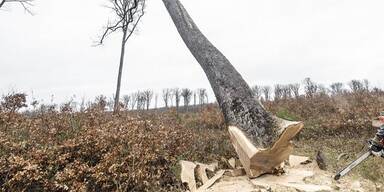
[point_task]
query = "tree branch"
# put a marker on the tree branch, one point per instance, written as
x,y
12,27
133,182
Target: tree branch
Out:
x,y
24,3
134,26
129,13
109,30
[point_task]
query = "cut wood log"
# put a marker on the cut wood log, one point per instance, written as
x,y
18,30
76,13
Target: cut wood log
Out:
x,y
261,141
257,161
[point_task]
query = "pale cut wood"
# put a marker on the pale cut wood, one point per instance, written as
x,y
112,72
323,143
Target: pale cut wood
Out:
x,y
257,161
202,174
211,181
232,163
202,171
187,174
295,160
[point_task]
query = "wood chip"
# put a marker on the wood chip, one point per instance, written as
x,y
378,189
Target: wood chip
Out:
x,y
212,181
232,163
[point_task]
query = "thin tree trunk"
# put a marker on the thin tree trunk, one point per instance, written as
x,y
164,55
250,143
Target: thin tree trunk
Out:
x,y
236,99
117,95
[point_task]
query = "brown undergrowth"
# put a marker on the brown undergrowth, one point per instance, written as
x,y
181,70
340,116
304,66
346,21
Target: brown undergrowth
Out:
x,y
93,150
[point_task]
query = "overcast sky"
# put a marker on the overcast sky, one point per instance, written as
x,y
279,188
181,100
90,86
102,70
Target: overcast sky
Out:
x,y
268,42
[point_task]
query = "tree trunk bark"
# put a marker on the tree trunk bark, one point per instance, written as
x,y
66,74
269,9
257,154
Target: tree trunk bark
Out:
x,y
117,95
2,3
233,94
251,127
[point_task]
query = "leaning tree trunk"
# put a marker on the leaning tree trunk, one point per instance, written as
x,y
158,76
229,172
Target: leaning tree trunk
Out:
x,y
2,3
260,139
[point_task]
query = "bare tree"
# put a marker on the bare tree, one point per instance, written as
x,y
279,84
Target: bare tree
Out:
x,y
128,14
126,100
186,94
278,92
177,94
101,102
166,96
295,89
134,98
194,98
267,92
26,4
356,86
336,88
202,95
286,90
148,95
310,87
257,91
171,96
141,100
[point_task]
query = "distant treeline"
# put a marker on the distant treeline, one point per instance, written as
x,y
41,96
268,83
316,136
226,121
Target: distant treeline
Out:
x,y
186,98
309,88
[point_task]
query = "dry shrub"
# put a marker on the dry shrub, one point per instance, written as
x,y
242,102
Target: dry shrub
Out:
x,y
52,150
209,117
103,152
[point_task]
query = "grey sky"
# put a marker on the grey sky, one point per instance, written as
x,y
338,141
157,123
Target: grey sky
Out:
x,y
268,41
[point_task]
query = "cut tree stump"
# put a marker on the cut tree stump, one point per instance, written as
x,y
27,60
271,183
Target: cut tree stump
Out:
x,y
257,161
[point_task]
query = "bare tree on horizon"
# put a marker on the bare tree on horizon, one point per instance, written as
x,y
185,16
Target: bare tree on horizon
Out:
x,y
166,96
267,92
257,91
134,98
295,88
177,94
186,94
202,96
148,94
128,13
336,88
127,101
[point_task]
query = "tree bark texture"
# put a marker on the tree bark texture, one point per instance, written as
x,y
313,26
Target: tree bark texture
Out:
x,y
2,3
